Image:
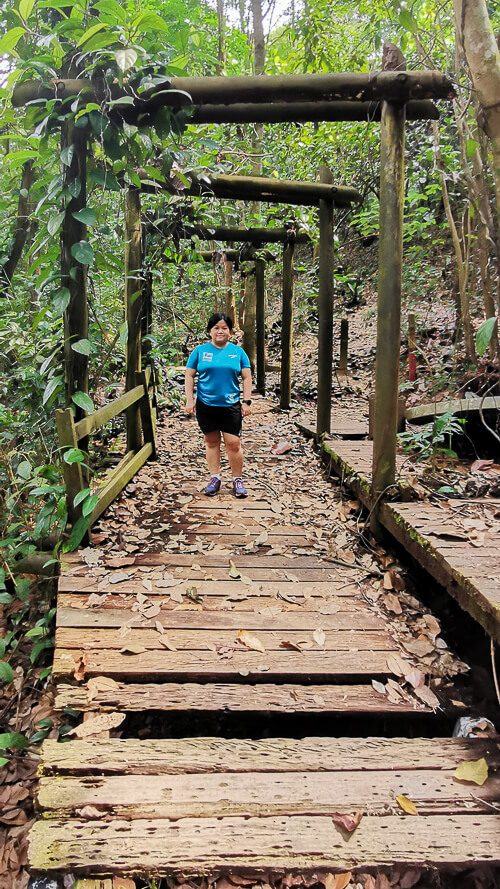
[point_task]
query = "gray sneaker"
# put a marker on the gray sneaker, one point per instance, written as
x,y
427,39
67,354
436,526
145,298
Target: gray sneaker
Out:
x,y
239,489
213,486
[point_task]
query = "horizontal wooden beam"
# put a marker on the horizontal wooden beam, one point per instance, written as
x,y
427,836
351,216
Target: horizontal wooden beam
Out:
x,y
226,233
304,112
244,255
394,86
119,477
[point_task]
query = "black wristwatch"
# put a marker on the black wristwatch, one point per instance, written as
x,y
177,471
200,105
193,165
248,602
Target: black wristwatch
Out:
x,y
247,401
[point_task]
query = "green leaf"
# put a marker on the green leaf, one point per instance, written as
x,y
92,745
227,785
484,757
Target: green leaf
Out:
x,y
6,672
75,187
82,495
471,146
90,33
36,631
26,8
82,252
484,334
73,455
89,505
52,386
3,761
78,532
83,401
87,216
82,347
61,300
54,223
10,40
126,58
23,585
66,155
112,9
5,599
149,21
406,19
24,469
14,740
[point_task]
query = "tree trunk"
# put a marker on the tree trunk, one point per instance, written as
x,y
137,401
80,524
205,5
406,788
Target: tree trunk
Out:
x,y
220,68
483,58
229,299
22,229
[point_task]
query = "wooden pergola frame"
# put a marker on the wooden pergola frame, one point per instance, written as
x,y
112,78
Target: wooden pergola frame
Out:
x,y
391,96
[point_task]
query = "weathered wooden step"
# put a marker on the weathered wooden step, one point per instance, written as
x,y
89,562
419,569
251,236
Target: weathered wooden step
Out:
x,y
229,698
193,805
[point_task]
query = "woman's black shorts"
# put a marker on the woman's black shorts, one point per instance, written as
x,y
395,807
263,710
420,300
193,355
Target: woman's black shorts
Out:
x,y
225,419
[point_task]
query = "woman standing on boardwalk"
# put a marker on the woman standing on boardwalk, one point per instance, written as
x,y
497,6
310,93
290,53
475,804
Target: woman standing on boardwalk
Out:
x,y
219,407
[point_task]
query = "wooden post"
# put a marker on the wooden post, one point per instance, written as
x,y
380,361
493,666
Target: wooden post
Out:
x,y
73,475
260,317
230,302
287,327
249,318
389,300
325,310
344,345
412,360
133,307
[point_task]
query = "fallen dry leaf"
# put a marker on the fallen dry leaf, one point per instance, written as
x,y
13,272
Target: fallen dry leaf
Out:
x,y
392,603
103,722
233,571
79,670
165,641
472,770
287,643
282,447
120,561
348,822
250,641
319,637
336,881
99,683
89,813
427,697
406,805
378,686
133,649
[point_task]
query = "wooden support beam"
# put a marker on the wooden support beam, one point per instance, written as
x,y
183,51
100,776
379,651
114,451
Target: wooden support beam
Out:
x,y
261,188
260,321
74,478
254,236
344,345
412,361
74,272
249,322
325,311
286,327
389,300
304,112
133,307
245,254
397,86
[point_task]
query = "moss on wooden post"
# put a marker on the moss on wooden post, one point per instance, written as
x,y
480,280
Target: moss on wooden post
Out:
x,y
133,307
260,318
325,310
286,327
389,299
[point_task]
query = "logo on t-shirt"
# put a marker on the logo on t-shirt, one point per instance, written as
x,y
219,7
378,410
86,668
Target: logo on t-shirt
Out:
x,y
207,356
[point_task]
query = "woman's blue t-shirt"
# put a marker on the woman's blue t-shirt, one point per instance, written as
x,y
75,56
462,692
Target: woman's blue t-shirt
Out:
x,y
218,373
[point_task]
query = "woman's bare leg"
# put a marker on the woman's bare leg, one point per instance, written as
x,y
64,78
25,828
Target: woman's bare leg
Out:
x,y
234,453
212,449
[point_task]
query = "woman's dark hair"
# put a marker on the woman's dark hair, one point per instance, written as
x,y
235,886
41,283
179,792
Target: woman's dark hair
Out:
x,y
216,317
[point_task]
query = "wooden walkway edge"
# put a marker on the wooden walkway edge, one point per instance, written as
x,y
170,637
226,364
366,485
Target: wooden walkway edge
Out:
x,y
434,535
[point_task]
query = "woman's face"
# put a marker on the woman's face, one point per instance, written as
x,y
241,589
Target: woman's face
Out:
x,y
219,334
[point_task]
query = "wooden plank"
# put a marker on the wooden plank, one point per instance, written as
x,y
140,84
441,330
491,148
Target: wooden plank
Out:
x,y
264,698
119,478
340,427
262,794
256,844
200,639
285,622
104,414
179,755
223,587
425,413
177,666
253,603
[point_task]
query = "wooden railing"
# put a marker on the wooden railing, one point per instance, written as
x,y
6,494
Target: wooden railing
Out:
x,y
71,434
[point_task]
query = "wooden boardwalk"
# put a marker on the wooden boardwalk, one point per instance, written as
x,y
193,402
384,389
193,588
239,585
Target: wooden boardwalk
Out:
x,y
224,607
456,541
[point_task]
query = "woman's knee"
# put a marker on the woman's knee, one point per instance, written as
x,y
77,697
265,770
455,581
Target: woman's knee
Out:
x,y
233,444
212,440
